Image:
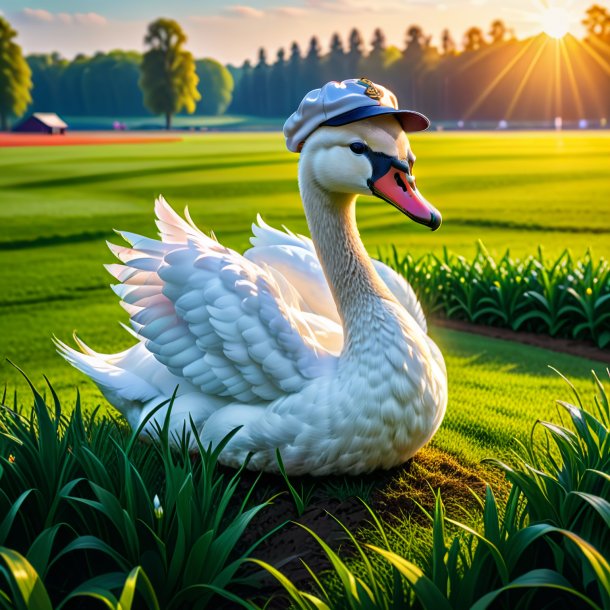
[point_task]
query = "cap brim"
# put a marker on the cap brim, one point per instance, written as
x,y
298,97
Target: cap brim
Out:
x,y
409,119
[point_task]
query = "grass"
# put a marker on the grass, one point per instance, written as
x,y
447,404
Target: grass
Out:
x,y
58,205
544,546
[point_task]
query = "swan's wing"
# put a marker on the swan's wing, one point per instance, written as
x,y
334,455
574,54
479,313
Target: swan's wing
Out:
x,y
403,292
293,257
212,317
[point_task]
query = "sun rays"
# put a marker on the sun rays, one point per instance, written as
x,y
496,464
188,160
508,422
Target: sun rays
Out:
x,y
552,64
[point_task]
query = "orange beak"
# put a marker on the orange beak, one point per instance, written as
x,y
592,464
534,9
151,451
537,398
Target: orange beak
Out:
x,y
392,181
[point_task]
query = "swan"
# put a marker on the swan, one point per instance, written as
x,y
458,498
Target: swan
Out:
x,y
307,345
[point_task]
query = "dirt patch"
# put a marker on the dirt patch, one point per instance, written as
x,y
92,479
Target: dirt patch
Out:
x,y
583,349
81,139
395,494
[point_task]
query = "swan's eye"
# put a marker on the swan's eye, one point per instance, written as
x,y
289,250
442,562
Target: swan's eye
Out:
x,y
358,148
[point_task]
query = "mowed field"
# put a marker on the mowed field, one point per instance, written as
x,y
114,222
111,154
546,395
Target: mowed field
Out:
x,y
58,205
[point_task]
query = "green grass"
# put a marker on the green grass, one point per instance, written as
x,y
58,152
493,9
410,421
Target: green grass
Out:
x,y
516,190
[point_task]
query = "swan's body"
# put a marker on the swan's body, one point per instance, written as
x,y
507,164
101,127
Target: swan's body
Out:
x,y
319,352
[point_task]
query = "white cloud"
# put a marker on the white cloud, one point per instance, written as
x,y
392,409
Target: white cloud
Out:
x,y
245,11
37,14
92,18
290,11
42,15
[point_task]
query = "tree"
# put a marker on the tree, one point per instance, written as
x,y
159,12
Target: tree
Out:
x,y
373,65
294,76
498,31
447,43
335,62
15,76
278,86
260,96
215,87
416,41
46,74
168,78
354,53
311,67
597,23
474,39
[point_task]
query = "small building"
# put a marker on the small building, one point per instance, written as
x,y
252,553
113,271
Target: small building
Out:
x,y
42,122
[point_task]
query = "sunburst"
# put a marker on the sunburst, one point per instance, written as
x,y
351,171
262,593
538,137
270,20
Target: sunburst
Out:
x,y
555,21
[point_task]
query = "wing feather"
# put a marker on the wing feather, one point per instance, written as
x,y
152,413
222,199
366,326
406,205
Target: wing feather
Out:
x,y
213,317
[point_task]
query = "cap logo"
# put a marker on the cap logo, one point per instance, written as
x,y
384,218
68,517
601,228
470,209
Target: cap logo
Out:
x,y
370,90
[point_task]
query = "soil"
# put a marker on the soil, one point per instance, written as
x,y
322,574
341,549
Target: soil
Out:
x,y
394,495
81,139
584,349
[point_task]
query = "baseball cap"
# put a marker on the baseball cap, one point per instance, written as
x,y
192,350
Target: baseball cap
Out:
x,y
340,103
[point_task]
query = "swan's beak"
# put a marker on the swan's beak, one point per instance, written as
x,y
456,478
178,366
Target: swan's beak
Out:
x,y
393,182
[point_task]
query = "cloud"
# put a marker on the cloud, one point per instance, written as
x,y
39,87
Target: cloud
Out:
x,y
42,15
37,14
290,11
245,11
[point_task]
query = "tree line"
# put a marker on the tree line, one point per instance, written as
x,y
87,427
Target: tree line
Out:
x,y
492,76
166,79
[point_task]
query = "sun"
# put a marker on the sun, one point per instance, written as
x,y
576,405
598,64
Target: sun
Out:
x,y
555,21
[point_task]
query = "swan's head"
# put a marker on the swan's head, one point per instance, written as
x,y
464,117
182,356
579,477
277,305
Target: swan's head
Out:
x,y
369,154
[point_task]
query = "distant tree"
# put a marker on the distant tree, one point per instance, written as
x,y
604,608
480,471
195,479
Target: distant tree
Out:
x,y
474,39
15,76
260,94
168,78
447,43
71,86
311,67
498,31
294,78
416,43
354,53
241,98
374,63
336,61
215,87
597,23
278,86
46,74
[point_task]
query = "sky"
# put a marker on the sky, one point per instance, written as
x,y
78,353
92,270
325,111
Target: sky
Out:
x,y
232,32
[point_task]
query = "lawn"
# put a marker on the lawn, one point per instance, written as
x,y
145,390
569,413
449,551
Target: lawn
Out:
x,y
58,205
512,190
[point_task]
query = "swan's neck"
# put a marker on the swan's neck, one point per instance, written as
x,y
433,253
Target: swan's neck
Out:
x,y
360,295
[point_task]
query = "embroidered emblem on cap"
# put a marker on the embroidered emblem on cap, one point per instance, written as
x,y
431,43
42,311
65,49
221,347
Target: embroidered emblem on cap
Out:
x,y
371,90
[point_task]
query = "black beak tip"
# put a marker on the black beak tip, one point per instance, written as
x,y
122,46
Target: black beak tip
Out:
x,y
435,221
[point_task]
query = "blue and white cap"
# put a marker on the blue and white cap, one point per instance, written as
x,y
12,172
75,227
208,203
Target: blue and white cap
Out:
x,y
340,103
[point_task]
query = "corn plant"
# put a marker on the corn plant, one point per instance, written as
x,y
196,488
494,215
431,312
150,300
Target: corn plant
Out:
x,y
547,546
565,297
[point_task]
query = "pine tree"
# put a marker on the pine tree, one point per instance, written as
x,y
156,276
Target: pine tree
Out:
x,y
260,94
312,73
168,78
15,76
354,53
294,68
335,61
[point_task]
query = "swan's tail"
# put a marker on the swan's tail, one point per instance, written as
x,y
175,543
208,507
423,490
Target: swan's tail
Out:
x,y
124,389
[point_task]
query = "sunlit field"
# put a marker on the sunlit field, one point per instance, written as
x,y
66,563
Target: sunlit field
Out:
x,y
58,205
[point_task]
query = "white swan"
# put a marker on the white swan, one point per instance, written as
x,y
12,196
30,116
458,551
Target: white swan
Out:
x,y
322,353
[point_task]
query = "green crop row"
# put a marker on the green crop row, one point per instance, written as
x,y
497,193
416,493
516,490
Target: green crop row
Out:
x,y
546,546
565,297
